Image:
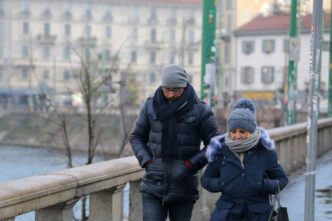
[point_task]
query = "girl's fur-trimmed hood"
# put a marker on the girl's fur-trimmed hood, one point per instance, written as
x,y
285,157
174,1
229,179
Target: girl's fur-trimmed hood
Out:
x,y
215,145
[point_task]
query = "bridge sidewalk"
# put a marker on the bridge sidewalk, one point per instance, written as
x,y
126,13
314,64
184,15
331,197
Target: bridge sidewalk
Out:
x,y
293,196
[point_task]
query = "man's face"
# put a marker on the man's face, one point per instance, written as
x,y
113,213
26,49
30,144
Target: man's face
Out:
x,y
172,94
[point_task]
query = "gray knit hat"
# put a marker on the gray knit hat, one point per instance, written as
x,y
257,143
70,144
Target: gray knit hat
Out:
x,y
243,116
174,76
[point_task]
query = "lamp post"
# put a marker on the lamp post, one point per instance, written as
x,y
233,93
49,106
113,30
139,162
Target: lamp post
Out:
x,y
208,50
293,57
316,39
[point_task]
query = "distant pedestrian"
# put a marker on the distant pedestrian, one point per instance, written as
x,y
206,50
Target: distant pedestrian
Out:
x,y
243,167
166,140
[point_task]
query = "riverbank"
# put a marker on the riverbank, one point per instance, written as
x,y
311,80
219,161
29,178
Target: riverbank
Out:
x,y
41,130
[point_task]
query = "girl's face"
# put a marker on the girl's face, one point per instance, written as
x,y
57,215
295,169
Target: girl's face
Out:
x,y
239,134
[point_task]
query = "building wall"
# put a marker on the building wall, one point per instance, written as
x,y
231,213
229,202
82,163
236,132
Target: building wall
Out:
x,y
279,60
233,14
22,55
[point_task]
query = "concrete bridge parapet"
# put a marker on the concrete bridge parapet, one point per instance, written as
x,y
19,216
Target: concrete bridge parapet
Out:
x,y
53,195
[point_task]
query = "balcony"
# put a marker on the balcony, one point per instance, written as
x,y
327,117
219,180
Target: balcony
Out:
x,y
67,15
108,17
46,39
88,41
149,45
194,46
171,21
25,13
152,21
46,14
191,21
133,21
224,35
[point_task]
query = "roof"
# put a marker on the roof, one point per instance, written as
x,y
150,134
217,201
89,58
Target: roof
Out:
x,y
276,24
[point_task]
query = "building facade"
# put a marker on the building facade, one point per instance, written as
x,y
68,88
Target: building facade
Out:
x,y
43,43
232,15
262,51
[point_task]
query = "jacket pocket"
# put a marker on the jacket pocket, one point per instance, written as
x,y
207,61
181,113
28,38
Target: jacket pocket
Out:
x,y
180,171
154,173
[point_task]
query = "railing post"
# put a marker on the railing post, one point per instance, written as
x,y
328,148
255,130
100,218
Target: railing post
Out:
x,y
106,205
135,201
59,212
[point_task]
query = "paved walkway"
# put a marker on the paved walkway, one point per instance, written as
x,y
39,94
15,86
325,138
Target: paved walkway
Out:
x,y
294,195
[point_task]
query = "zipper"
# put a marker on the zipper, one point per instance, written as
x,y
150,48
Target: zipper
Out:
x,y
241,156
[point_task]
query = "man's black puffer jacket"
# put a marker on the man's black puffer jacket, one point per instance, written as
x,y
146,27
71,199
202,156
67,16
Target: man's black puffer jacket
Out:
x,y
171,179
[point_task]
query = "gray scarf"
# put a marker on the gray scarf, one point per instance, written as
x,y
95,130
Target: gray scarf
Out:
x,y
240,146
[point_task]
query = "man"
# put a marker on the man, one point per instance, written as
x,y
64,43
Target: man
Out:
x,y
166,140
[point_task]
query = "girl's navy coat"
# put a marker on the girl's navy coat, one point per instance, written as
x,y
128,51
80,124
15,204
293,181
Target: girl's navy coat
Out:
x,y
245,186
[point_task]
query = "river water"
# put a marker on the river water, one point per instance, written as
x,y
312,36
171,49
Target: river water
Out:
x,y
18,162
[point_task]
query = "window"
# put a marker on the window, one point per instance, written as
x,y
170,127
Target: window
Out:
x,y
248,47
190,58
152,77
25,28
46,52
67,10
2,28
107,54
67,30
153,57
108,13
227,54
153,16
108,32
172,56
326,45
86,54
229,23
66,75
191,17
67,15
267,74
133,57
172,17
153,35
88,13
24,73
1,6
66,53
1,51
47,29
191,37
25,52
47,6
247,75
24,5
286,45
172,35
228,4
134,33
46,74
87,31
268,46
